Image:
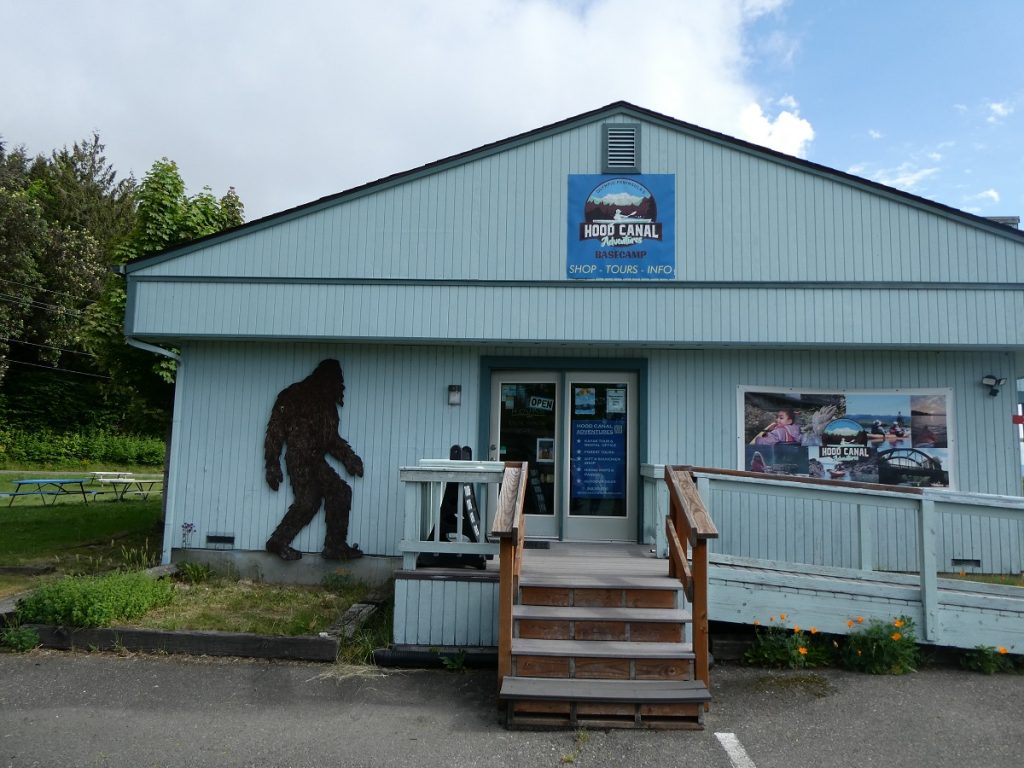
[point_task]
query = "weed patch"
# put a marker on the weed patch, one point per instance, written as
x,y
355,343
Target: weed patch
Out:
x,y
93,601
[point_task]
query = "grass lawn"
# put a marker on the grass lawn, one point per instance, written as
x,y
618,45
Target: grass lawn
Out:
x,y
78,538
242,606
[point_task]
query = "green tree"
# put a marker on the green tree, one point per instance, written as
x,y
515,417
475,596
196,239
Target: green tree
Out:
x,y
165,216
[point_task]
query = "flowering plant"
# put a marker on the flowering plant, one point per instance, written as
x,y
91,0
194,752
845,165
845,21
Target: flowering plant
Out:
x,y
187,529
777,645
989,660
881,648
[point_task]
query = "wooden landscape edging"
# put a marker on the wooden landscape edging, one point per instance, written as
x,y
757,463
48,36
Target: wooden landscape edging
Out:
x,y
196,643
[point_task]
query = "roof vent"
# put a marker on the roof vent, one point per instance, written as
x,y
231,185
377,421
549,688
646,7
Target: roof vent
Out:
x,y
621,148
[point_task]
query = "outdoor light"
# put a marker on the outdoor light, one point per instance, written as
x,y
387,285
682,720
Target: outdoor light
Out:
x,y
993,383
454,394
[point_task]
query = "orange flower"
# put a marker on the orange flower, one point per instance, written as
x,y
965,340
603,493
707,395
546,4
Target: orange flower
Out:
x,y
757,623
814,630
796,629
1002,649
896,636
803,651
782,617
771,618
850,623
860,619
898,623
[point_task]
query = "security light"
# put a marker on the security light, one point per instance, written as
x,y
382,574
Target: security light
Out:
x,y
993,383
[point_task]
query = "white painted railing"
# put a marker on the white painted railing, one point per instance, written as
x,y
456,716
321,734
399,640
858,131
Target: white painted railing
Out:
x,y
858,526
424,489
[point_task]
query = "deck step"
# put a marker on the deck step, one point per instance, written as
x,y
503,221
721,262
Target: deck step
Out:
x,y
534,702
574,581
598,613
601,649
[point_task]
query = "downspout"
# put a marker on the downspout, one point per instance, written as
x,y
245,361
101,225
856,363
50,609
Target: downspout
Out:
x,y
172,454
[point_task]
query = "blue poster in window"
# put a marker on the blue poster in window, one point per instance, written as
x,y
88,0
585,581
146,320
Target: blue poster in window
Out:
x,y
621,227
598,459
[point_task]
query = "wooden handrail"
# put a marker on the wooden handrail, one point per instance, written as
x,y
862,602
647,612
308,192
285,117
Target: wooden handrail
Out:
x,y
509,527
689,525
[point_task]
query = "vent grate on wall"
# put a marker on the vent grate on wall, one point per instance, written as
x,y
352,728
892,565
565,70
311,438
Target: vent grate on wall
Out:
x,y
621,148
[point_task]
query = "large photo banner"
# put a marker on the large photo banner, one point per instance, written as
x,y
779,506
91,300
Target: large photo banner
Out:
x,y
892,438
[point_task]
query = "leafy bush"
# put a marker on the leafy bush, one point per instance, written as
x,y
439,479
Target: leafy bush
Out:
x,y
988,660
779,646
19,638
23,447
94,601
881,648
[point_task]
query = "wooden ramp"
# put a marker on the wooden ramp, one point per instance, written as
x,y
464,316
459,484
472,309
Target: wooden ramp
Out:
x,y
948,612
601,638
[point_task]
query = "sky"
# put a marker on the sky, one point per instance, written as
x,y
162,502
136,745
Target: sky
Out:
x,y
290,102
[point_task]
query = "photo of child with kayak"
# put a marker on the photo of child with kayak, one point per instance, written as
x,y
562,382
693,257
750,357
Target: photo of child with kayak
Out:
x,y
787,428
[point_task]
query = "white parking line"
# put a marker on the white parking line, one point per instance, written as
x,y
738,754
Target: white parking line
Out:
x,y
733,748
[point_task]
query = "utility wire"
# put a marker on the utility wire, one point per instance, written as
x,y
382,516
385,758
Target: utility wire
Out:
x,y
35,287
10,299
63,370
47,346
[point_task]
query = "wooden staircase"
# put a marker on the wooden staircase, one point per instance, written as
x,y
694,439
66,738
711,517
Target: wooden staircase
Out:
x,y
602,635
602,651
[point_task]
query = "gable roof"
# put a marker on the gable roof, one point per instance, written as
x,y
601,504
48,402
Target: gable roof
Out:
x,y
615,108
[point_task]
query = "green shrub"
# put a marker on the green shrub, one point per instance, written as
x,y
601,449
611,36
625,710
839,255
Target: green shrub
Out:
x,y
19,638
44,447
988,660
94,601
881,648
780,647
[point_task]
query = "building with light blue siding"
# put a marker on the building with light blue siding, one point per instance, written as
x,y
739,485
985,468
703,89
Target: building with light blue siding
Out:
x,y
617,289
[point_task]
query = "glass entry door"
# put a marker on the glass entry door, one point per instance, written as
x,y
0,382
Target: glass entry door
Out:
x,y
578,431
526,426
601,432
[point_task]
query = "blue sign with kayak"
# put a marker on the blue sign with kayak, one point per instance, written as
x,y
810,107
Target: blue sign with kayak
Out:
x,y
621,227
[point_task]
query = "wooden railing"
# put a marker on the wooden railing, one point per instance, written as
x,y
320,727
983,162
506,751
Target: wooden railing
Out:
x,y
688,528
509,528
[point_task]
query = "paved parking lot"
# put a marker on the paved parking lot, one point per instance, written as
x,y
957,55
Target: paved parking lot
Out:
x,y
105,710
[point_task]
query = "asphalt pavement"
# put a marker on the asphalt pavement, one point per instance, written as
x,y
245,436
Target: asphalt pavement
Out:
x,y
81,709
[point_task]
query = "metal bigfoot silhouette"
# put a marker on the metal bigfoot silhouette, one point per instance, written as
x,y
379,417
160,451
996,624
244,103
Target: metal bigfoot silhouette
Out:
x,y
305,416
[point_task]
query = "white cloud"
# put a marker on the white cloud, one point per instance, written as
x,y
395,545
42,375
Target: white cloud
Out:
x,y
905,176
856,170
989,195
961,108
787,132
874,134
935,156
998,110
290,102
788,102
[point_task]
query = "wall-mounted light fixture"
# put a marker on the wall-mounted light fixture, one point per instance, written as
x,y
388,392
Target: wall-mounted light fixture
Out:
x,y
993,383
454,394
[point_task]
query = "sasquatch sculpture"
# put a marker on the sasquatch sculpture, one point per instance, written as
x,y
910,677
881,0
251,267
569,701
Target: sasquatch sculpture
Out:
x,y
305,417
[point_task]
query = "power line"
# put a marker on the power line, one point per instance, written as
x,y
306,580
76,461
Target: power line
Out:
x,y
34,287
11,299
47,346
63,370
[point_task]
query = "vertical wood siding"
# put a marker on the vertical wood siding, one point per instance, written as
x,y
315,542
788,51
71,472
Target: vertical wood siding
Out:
x,y
694,396
396,412
503,216
446,613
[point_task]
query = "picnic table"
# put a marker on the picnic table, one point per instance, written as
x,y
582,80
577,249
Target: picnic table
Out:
x,y
137,486
49,487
